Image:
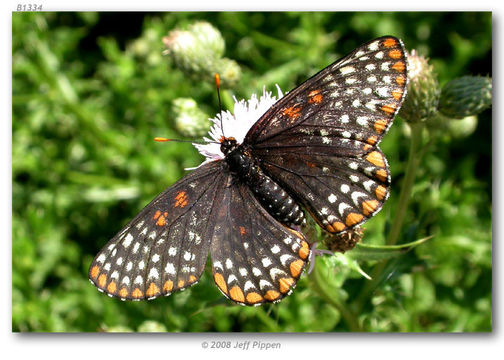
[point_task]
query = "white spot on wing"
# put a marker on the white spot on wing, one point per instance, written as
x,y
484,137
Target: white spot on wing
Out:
x,y
347,70
266,262
100,259
275,249
153,274
368,184
342,207
170,269
356,195
374,46
127,241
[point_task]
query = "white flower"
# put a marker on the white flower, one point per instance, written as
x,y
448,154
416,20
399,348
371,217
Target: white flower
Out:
x,y
236,125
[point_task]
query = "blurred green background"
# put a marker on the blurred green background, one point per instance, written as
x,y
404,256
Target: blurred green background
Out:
x,y
91,90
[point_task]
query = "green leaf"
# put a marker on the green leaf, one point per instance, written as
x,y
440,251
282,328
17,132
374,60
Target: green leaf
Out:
x,y
366,252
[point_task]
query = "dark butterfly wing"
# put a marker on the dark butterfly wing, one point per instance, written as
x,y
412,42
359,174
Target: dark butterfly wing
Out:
x,y
321,140
165,247
255,258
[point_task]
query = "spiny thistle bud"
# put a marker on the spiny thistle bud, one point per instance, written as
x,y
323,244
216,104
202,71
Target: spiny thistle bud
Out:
x,y
465,96
210,36
190,121
198,52
344,241
423,90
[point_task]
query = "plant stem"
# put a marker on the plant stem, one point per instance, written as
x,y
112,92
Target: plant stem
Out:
x,y
404,196
332,299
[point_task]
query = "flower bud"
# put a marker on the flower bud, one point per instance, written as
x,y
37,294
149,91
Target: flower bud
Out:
x,y
229,71
466,96
423,90
190,121
462,128
210,37
198,52
344,241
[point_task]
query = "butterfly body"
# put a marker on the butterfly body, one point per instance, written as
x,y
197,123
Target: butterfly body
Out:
x,y
316,148
272,197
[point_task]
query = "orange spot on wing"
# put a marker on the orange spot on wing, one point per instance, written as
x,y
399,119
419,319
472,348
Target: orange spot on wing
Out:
x,y
380,125
376,158
372,140
338,226
153,290
102,280
369,207
272,295
399,66
315,97
254,298
285,284
236,294
219,280
304,251
161,221
400,80
180,284
397,94
112,287
95,270
389,108
382,175
242,230
335,227
296,267
157,214
123,292
292,112
353,218
168,286
395,54
380,192
137,293
192,279
181,199
389,42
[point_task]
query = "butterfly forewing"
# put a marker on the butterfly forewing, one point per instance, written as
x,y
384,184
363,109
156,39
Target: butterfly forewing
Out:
x,y
255,258
165,248
355,100
320,142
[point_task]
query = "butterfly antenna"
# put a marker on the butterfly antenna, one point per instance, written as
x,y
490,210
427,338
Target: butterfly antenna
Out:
x,y
217,85
163,139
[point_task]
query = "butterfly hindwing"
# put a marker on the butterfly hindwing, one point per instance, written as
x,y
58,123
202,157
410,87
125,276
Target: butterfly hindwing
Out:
x,y
165,247
339,192
255,258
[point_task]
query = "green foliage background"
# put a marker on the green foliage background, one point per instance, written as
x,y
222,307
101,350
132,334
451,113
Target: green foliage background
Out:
x,y
91,90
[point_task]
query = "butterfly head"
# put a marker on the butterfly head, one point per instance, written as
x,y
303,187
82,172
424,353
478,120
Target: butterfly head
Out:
x,y
235,125
228,144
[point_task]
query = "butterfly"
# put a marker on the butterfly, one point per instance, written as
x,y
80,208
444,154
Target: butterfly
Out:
x,y
314,150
